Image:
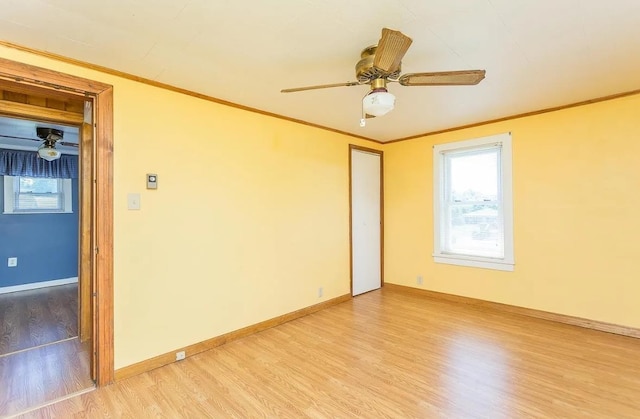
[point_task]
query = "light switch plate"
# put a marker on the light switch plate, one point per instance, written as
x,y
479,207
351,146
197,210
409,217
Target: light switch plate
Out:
x,y
152,181
133,201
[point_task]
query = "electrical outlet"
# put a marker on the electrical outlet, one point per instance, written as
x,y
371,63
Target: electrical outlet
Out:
x,y
320,292
180,355
12,262
419,280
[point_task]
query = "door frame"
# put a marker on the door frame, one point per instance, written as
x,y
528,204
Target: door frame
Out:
x,y
381,154
102,235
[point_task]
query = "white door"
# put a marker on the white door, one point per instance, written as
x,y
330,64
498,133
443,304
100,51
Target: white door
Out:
x,y
366,225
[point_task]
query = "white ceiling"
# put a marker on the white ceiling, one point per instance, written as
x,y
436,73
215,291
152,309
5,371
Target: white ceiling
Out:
x,y
537,53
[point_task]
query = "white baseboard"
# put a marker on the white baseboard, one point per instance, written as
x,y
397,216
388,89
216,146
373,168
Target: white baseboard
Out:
x,y
36,285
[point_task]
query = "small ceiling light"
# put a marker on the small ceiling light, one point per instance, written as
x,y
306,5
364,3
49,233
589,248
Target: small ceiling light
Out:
x,y
379,102
48,152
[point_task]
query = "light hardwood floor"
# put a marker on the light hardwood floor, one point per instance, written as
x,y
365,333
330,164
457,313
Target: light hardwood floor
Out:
x,y
37,317
40,357
40,375
389,354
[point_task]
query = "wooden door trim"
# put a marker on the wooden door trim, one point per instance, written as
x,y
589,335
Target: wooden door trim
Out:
x,y
381,154
44,114
85,218
102,96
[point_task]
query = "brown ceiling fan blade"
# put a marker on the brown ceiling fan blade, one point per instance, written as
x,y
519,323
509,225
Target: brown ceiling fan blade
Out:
x,y
443,78
320,86
19,138
391,48
369,116
64,143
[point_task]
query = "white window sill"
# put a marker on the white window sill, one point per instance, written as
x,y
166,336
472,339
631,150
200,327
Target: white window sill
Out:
x,y
35,212
474,262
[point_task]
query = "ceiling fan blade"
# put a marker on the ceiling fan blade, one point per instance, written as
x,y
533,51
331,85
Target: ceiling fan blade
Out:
x,y
391,48
443,78
63,143
369,116
19,138
66,144
320,86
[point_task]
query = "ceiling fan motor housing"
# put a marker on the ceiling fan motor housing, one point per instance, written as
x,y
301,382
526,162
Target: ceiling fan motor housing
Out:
x,y
50,134
365,70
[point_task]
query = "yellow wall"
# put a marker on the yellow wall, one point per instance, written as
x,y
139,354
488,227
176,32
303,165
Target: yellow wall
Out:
x,y
249,219
251,215
576,186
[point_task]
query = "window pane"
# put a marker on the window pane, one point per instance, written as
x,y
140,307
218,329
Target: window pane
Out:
x,y
473,225
38,194
38,185
473,176
474,230
38,202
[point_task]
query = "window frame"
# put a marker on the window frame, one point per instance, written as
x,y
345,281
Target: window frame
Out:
x,y
9,197
507,262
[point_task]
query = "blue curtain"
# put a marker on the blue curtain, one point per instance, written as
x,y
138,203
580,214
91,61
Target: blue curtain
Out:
x,y
27,163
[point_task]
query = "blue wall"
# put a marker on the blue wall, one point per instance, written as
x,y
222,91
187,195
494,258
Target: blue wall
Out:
x,y
46,245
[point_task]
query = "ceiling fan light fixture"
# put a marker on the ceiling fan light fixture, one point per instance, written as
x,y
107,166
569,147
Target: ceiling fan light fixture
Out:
x,y
379,102
48,152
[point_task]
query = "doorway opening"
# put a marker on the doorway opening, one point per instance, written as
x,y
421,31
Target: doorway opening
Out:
x,y
28,85
39,227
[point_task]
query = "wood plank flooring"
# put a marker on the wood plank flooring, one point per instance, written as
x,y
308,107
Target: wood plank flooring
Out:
x,y
37,317
40,375
389,354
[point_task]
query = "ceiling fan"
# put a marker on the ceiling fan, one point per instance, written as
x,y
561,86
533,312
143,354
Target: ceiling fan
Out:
x,y
49,137
380,64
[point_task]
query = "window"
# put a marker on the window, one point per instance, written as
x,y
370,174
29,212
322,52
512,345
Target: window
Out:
x,y
29,195
473,216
